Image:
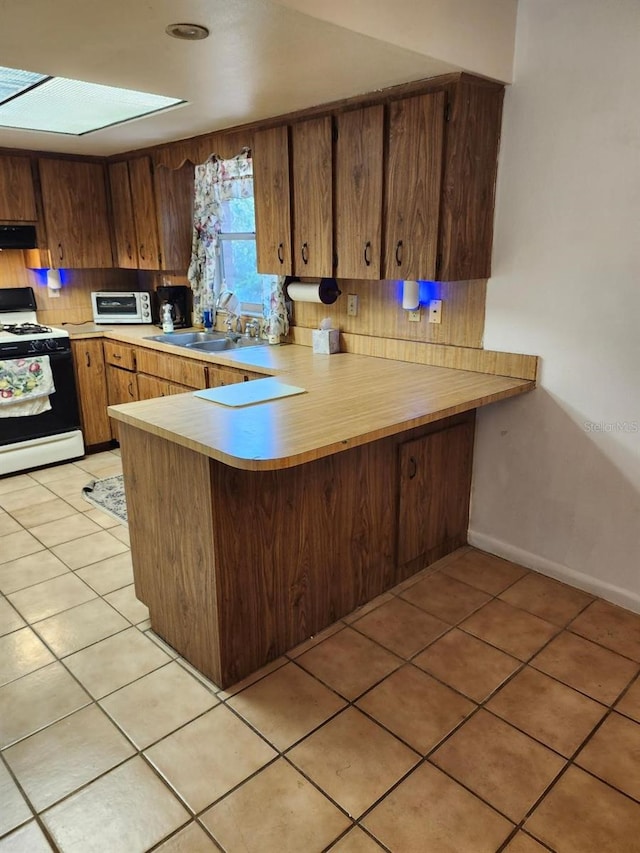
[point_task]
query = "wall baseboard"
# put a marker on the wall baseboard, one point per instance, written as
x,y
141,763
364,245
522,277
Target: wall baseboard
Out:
x,y
608,591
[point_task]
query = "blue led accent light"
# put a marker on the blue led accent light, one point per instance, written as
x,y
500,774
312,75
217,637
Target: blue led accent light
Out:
x,y
428,290
41,276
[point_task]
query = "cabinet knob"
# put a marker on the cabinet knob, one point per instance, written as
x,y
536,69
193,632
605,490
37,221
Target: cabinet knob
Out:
x,y
413,467
305,253
281,253
367,253
399,253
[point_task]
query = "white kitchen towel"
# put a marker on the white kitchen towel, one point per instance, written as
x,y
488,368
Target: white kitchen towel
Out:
x,y
25,386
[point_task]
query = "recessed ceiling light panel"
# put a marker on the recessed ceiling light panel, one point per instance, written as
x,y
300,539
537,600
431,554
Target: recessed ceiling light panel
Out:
x,y
61,105
13,81
190,32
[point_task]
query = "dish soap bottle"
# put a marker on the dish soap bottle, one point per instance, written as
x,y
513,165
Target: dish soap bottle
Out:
x,y
167,319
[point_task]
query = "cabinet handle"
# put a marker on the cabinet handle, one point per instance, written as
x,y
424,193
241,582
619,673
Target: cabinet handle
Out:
x,y
281,253
131,389
305,253
60,251
399,252
129,251
141,250
367,253
413,467
115,355
88,359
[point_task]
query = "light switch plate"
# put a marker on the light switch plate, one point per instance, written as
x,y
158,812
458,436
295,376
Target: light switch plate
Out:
x,y
352,305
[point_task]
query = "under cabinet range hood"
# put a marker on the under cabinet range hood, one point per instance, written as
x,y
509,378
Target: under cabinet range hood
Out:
x,y
18,237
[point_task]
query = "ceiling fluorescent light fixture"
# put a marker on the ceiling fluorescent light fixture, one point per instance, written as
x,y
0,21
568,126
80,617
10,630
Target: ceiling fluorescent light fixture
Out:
x,y
61,105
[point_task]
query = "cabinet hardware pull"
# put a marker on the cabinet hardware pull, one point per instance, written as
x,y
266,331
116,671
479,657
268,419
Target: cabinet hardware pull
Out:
x,y
142,251
305,253
413,467
88,359
131,389
281,253
399,252
129,251
367,253
116,355
60,251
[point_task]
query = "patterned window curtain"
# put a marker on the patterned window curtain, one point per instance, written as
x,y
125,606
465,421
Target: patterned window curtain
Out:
x,y
216,181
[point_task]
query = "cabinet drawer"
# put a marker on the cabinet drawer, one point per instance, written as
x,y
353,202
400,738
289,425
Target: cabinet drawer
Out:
x,y
120,355
229,375
182,371
150,387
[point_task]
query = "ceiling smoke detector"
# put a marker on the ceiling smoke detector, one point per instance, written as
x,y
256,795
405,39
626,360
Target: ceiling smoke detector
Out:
x,y
190,32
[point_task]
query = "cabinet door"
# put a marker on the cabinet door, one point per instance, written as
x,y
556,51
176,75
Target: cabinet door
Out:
x,y
144,213
271,190
182,371
150,387
75,209
358,176
435,478
91,383
414,177
312,198
219,376
174,189
17,199
122,387
124,229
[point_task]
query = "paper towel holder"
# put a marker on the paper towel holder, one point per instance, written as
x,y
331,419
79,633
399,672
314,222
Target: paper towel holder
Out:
x,y
328,288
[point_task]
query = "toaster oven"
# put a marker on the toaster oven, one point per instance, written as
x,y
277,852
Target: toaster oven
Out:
x,y
121,307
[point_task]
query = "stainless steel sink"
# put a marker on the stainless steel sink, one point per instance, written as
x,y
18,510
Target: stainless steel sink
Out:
x,y
207,341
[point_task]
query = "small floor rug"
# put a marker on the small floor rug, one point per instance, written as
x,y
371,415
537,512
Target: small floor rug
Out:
x,y
108,495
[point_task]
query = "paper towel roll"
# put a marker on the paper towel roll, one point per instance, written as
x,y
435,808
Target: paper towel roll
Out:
x,y
325,293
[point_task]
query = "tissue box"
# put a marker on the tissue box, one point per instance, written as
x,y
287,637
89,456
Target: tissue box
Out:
x,y
326,340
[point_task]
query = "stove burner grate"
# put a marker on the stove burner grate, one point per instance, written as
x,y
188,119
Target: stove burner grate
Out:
x,y
25,328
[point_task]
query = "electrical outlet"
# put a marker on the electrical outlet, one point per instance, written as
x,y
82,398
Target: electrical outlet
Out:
x,y
414,316
435,311
352,305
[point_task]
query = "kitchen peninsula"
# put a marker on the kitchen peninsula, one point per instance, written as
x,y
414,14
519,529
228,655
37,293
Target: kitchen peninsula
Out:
x,y
253,528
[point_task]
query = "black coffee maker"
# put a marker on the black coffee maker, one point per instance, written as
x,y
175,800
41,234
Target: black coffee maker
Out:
x,y
180,298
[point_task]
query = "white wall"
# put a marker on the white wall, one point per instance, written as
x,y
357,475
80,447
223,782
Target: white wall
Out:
x,y
475,35
566,285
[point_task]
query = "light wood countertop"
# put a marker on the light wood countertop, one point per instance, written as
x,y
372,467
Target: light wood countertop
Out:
x,y
350,400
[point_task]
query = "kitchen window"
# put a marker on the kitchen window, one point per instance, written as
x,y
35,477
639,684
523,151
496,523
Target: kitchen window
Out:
x,y
237,263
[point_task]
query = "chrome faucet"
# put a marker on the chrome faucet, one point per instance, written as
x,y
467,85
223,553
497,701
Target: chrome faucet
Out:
x,y
252,329
231,321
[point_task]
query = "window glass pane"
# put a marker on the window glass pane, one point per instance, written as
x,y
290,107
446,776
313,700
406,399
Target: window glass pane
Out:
x,y
238,216
239,269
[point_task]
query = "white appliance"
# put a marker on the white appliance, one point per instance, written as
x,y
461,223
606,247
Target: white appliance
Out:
x,y
132,306
30,441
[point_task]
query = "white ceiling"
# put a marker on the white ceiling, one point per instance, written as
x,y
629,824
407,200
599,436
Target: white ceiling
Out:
x,y
262,59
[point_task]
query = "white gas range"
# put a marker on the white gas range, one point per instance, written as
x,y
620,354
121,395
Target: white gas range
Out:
x,y
46,429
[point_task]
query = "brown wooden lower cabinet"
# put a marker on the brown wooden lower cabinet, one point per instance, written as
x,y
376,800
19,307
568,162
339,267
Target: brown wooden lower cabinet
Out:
x,y
91,385
219,376
238,566
150,387
122,387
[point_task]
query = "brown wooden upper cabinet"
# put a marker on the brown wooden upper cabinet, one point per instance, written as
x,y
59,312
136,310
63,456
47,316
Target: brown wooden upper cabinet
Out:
x,y
358,173
152,215
270,154
311,165
76,216
17,198
414,174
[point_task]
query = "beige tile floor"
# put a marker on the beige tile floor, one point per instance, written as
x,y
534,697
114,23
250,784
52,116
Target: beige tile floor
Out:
x,y
477,707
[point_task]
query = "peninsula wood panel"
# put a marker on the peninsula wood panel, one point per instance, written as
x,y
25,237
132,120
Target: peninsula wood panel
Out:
x,y
311,157
358,187
17,198
414,175
172,545
272,193
124,230
75,209
91,382
144,213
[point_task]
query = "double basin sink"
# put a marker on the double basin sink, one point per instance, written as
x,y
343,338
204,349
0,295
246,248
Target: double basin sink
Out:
x,y
207,341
